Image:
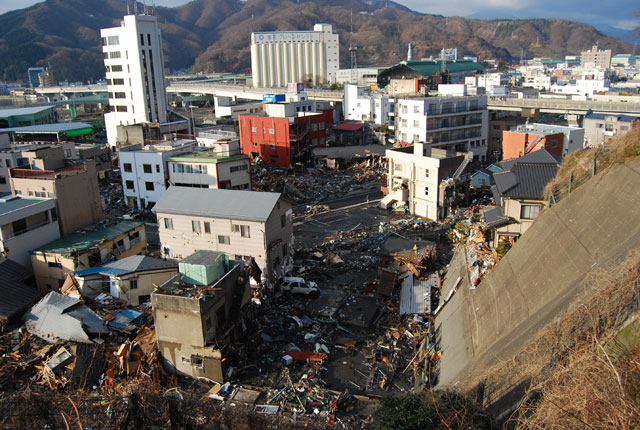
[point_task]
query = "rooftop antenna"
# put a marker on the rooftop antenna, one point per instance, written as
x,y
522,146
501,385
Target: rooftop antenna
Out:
x,y
443,61
135,7
353,51
128,8
410,52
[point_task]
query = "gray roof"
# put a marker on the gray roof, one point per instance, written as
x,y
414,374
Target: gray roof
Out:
x,y
208,202
541,156
11,204
525,180
15,296
494,217
31,110
602,116
139,263
349,152
58,318
202,257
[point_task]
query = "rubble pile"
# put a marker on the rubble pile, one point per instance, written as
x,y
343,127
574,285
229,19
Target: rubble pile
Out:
x,y
312,186
480,257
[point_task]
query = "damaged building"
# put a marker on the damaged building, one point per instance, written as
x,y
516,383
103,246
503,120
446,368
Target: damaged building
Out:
x,y
196,311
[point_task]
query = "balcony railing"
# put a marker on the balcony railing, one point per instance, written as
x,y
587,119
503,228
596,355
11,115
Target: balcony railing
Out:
x,y
26,230
47,174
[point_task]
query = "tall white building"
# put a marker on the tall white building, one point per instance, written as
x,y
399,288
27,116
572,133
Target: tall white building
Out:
x,y
135,73
280,57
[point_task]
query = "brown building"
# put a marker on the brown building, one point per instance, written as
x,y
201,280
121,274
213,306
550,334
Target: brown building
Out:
x,y
74,186
100,154
498,122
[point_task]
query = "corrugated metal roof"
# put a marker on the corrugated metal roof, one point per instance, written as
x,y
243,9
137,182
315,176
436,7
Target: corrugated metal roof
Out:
x,y
226,204
49,128
416,294
88,237
31,110
57,318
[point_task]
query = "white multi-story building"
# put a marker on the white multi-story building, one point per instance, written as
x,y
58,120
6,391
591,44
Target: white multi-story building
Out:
x,y
211,169
280,57
135,73
360,104
582,87
361,75
144,171
458,124
421,178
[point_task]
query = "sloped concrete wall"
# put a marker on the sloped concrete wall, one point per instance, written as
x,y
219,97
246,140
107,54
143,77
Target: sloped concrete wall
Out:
x,y
541,275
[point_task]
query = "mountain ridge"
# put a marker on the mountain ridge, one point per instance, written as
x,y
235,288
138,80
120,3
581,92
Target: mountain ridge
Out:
x,y
214,35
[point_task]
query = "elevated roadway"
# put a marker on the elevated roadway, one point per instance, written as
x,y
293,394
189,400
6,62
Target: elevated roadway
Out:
x,y
573,107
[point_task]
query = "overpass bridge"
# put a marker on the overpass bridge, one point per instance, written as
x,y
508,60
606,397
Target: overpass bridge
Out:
x,y
246,92
571,107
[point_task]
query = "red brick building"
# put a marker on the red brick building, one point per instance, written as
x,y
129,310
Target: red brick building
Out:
x,y
282,141
515,144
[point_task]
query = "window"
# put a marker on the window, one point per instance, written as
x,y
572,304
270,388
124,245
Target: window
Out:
x,y
168,223
416,109
147,168
224,240
129,185
426,191
529,211
0,163
321,126
54,264
3,180
240,168
121,108
272,146
416,123
283,220
242,229
114,40
114,54
120,95
126,167
271,131
118,82
496,126
398,167
141,39
426,173
157,168
9,163
133,284
148,186
207,227
416,138
253,129
149,39
116,68
195,227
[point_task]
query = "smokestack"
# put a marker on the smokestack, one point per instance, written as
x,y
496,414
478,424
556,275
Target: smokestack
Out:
x,y
410,52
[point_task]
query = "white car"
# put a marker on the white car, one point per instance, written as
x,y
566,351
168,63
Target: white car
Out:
x,y
299,286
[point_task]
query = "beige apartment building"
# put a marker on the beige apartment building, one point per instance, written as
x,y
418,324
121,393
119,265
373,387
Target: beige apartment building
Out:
x,y
241,224
74,186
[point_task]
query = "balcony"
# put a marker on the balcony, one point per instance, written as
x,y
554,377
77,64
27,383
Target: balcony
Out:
x,y
7,236
47,174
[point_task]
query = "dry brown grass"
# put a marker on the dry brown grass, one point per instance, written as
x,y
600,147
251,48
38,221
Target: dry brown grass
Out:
x,y
565,361
578,167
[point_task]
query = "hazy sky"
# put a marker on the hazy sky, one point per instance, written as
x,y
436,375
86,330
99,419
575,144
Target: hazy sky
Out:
x,y
617,13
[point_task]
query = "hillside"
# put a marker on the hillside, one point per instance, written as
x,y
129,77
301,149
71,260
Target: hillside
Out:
x,y
213,35
510,319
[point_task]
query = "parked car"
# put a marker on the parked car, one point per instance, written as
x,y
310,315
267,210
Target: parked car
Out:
x,y
299,286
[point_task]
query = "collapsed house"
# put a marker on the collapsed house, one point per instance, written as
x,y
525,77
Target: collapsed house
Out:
x,y
58,318
131,280
195,313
